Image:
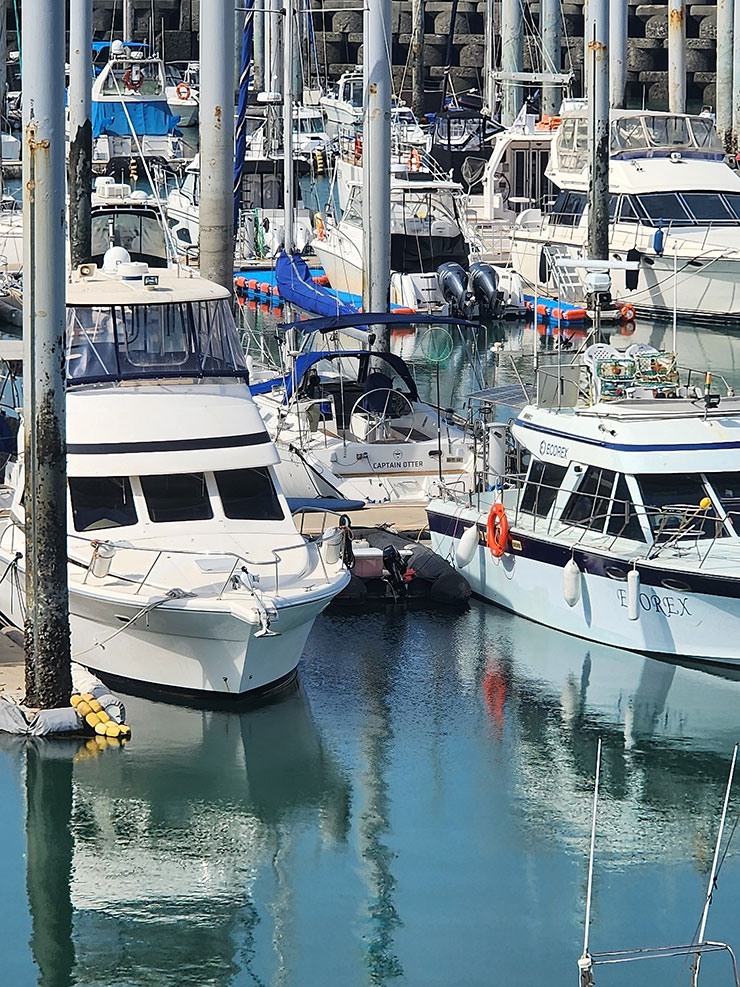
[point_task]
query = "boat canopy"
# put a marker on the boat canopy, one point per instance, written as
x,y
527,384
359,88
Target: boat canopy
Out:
x,y
305,361
137,341
151,117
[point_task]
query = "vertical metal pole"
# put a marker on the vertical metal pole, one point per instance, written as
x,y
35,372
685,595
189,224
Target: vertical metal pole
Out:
x,y
725,34
3,56
511,58
48,676
736,78
258,46
489,92
676,56
288,176
417,58
80,130
216,209
617,52
128,20
551,51
268,26
597,55
376,171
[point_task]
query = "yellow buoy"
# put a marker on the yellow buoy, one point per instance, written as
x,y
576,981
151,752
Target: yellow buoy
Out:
x,y
100,728
103,716
705,503
75,700
112,730
83,708
87,696
125,730
95,706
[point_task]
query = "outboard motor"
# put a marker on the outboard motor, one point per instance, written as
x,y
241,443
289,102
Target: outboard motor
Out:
x,y
484,286
396,566
453,283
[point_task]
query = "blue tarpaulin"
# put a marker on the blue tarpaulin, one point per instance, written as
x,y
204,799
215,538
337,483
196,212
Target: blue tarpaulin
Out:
x,y
151,117
296,286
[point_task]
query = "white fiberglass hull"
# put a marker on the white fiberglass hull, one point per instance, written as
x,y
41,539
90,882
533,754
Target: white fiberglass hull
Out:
x,y
184,646
681,614
706,285
341,261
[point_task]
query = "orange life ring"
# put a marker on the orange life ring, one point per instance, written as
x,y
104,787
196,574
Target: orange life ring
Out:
x,y
131,83
414,161
628,313
183,90
318,222
497,531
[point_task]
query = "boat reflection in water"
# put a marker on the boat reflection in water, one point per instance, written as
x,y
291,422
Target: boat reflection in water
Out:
x,y
168,840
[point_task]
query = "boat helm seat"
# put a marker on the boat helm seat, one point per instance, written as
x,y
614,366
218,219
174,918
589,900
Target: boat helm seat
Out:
x,y
636,349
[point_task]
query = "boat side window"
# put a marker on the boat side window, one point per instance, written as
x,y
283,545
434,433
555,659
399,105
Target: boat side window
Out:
x,y
733,201
541,488
727,488
628,133
672,506
623,521
665,206
91,346
178,497
709,207
568,208
589,504
249,494
627,211
218,341
705,136
101,502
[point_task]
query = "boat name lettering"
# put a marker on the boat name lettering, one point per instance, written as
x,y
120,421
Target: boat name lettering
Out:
x,y
669,606
410,464
552,449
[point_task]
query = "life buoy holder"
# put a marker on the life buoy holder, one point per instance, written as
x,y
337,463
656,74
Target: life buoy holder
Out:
x,y
131,83
628,313
414,160
319,224
497,531
183,91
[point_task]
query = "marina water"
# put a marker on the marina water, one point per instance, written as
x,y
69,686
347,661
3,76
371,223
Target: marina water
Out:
x,y
416,812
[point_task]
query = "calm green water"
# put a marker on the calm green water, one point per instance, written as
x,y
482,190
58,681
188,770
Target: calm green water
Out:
x,y
417,812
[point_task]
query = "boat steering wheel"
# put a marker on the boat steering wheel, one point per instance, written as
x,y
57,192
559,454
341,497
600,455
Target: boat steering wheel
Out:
x,y
394,405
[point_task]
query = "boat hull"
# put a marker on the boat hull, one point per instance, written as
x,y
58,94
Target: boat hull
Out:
x,y
692,616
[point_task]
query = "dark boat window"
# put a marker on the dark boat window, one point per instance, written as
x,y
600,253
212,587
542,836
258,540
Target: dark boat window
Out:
x,y
568,208
101,502
249,493
672,505
733,201
627,211
727,488
179,497
624,522
542,487
665,206
709,207
588,505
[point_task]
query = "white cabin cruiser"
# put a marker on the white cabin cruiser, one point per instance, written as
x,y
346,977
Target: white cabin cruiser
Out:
x,y
675,206
613,517
342,108
186,572
183,91
130,113
350,423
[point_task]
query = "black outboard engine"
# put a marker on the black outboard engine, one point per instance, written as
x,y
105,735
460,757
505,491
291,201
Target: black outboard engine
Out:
x,y
453,283
395,565
484,286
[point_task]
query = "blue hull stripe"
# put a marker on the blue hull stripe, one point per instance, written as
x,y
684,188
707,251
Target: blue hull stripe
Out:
x,y
593,563
624,447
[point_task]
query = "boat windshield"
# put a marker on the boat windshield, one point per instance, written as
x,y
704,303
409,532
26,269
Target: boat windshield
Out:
x,y
140,233
648,132
131,342
133,76
308,125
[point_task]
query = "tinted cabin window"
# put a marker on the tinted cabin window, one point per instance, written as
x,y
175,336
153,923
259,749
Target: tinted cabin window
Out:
x,y
672,506
666,207
727,488
588,504
542,487
101,502
248,494
623,522
627,211
181,497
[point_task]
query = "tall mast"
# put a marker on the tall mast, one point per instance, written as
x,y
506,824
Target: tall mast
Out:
x,y
597,56
288,191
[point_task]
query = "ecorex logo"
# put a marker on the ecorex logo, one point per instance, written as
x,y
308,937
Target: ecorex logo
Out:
x,y
553,450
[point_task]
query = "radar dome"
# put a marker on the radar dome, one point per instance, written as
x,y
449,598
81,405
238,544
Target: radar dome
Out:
x,y
113,257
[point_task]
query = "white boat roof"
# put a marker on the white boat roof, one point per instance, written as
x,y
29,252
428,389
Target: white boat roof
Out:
x,y
112,289
637,436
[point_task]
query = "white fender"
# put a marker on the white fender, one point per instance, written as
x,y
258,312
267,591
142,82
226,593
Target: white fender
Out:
x,y
571,583
331,543
633,594
467,546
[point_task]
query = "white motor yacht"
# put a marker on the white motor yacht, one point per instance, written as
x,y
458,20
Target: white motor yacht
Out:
x,y
183,91
609,507
130,113
186,572
675,209
342,108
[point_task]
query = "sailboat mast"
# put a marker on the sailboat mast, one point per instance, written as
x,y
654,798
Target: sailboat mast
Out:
x,y
288,176
597,35
376,171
